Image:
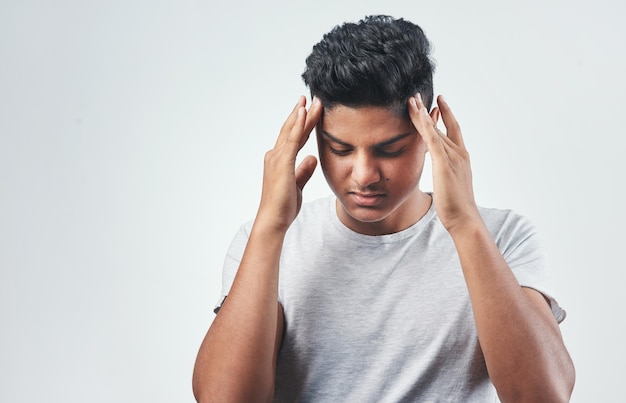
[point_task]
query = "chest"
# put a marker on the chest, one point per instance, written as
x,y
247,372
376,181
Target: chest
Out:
x,y
387,297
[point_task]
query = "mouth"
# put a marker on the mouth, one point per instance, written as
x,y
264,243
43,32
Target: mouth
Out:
x,y
367,199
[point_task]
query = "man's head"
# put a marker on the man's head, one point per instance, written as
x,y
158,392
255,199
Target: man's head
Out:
x,y
379,61
371,154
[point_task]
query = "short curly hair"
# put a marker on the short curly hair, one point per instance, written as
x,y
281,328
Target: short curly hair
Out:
x,y
379,61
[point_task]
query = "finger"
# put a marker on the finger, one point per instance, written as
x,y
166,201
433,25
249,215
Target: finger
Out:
x,y
301,132
425,125
313,115
305,170
434,115
296,136
291,120
453,129
304,125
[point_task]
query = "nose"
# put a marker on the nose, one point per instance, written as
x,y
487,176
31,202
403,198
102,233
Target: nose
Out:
x,y
365,171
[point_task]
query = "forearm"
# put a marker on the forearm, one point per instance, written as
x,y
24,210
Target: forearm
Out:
x,y
522,344
236,361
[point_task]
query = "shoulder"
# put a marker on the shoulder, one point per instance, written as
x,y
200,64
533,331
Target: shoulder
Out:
x,y
315,207
509,228
311,212
498,219
314,211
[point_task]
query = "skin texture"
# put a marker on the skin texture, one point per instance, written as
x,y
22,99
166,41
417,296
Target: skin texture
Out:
x,y
376,182
237,358
372,160
521,341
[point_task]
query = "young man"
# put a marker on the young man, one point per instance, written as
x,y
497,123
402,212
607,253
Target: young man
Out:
x,y
381,293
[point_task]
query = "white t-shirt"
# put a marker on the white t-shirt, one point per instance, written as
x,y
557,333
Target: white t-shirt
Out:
x,y
384,318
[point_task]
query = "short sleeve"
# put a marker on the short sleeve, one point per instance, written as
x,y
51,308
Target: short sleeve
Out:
x,y
521,247
232,261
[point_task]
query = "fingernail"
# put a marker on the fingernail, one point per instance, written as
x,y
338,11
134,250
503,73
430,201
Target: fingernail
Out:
x,y
419,97
316,101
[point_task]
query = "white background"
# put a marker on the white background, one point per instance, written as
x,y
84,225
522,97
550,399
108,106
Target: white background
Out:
x,y
131,143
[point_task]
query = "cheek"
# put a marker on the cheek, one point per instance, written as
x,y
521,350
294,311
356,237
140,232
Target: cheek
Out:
x,y
333,168
407,170
328,166
324,159
419,157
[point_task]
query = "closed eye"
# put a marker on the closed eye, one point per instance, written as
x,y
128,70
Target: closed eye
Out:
x,y
390,153
340,152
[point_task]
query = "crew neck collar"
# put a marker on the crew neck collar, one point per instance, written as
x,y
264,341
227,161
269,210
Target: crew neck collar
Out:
x,y
379,239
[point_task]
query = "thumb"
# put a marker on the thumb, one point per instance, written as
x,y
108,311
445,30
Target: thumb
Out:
x,y
305,170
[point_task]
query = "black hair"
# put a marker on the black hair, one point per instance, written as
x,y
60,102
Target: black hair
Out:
x,y
379,61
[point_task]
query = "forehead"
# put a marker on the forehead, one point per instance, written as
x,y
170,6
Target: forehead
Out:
x,y
365,123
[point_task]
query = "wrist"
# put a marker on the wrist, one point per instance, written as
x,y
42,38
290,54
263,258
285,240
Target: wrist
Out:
x,y
266,227
469,228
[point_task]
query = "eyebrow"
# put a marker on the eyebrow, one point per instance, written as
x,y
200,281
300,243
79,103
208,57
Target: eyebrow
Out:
x,y
379,145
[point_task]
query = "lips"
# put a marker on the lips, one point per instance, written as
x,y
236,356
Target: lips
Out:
x,y
367,199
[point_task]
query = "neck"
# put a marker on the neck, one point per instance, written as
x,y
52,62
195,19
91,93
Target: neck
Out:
x,y
404,216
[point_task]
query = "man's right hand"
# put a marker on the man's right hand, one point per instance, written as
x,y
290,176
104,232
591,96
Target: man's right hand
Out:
x,y
281,197
237,358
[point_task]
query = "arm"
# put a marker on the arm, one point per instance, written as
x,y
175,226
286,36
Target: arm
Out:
x,y
237,358
520,339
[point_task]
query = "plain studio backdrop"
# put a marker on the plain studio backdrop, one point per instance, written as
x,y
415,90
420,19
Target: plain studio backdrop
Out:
x,y
132,137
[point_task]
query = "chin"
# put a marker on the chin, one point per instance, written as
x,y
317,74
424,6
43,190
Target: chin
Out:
x,y
366,214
